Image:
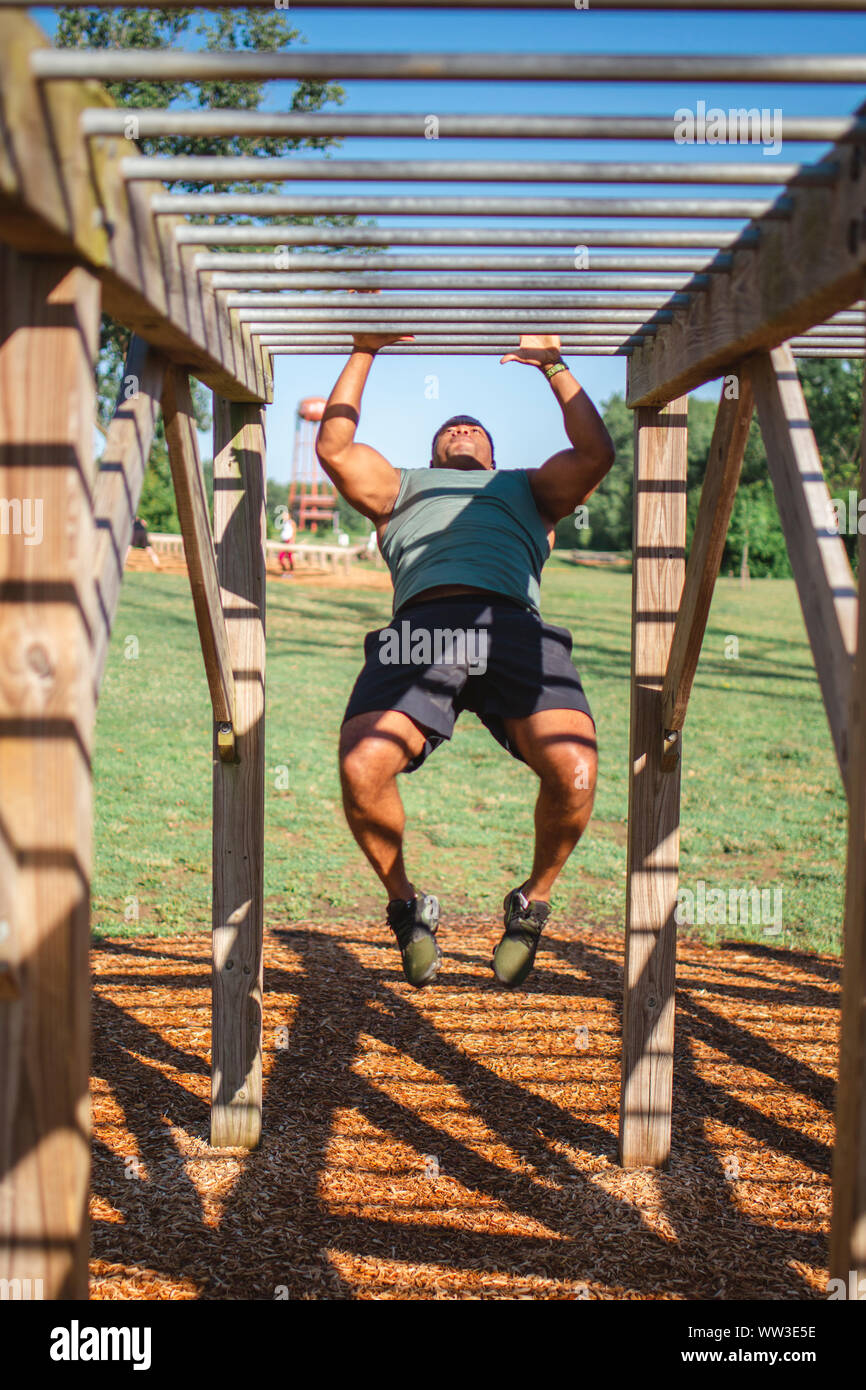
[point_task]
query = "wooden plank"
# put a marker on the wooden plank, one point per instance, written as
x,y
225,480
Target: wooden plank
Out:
x,y
239,788
49,334
805,268
198,541
118,485
63,195
654,790
825,584
730,434
848,1229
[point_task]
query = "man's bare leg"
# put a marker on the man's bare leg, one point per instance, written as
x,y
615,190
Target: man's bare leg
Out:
x,y
560,746
374,748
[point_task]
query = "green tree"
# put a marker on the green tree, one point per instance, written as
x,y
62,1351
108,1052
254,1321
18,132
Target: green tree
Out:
x,y
610,506
157,505
833,389
220,31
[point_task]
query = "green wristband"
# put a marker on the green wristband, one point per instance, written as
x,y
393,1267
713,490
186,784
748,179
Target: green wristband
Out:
x,y
552,368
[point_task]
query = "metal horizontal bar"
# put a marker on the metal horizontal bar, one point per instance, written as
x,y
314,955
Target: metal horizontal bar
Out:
x,y
464,205
578,279
504,343
409,350
170,65
838,330
438,333
263,300
293,325
100,120
413,261
271,169
741,6
374,321
824,352
386,319
579,334
249,235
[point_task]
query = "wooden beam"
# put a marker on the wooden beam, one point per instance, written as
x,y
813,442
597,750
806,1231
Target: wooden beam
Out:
x,y
63,195
825,584
49,335
239,788
848,1229
654,789
724,463
805,268
198,544
118,485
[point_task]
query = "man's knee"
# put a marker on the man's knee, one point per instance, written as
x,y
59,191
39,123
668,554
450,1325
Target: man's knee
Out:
x,y
360,758
375,747
584,769
571,774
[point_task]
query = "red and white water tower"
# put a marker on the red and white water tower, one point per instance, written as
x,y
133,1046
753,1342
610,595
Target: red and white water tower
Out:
x,y
312,496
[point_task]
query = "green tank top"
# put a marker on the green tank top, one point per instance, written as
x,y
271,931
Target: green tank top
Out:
x,y
475,527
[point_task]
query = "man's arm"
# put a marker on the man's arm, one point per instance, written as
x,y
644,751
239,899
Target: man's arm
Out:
x,y
570,476
362,475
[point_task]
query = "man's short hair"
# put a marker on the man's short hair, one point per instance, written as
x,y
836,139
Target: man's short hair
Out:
x,y
463,420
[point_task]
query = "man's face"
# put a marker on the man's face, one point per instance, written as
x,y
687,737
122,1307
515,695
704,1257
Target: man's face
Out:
x,y
462,446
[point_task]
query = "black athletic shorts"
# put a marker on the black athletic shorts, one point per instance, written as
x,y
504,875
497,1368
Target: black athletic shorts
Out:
x,y
480,652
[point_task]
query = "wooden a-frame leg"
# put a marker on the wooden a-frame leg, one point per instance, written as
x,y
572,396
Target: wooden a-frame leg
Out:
x,y
848,1230
238,787
49,336
654,789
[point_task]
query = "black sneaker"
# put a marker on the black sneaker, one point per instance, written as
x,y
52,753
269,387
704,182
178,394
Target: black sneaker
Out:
x,y
515,955
414,923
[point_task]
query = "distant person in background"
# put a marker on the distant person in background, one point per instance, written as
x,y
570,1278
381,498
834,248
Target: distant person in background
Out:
x,y
287,535
141,541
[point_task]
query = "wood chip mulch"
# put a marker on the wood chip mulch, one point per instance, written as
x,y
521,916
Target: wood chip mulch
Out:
x,y
460,1142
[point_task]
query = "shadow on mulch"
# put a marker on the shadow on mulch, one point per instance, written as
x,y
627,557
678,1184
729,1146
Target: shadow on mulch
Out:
x,y
460,1142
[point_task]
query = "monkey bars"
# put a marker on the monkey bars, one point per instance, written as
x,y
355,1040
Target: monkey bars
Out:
x,y
87,222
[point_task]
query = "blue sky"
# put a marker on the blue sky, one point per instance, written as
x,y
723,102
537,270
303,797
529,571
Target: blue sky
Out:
x,y
400,410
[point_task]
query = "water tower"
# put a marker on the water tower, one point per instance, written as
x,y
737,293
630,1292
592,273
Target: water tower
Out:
x,y
312,496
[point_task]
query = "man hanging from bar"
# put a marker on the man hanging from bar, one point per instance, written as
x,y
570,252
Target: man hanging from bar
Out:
x,y
465,545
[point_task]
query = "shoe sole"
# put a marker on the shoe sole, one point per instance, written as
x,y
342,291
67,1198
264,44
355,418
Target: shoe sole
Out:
x,y
431,973
511,984
519,979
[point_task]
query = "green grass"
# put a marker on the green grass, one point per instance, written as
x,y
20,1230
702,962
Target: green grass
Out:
x,y
762,802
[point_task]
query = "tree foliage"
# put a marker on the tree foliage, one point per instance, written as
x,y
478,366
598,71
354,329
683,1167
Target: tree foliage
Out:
x,y
219,31
833,388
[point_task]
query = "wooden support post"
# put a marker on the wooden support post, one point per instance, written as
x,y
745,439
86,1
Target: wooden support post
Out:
x,y
198,545
848,1230
654,789
49,336
119,482
825,584
239,787
725,461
